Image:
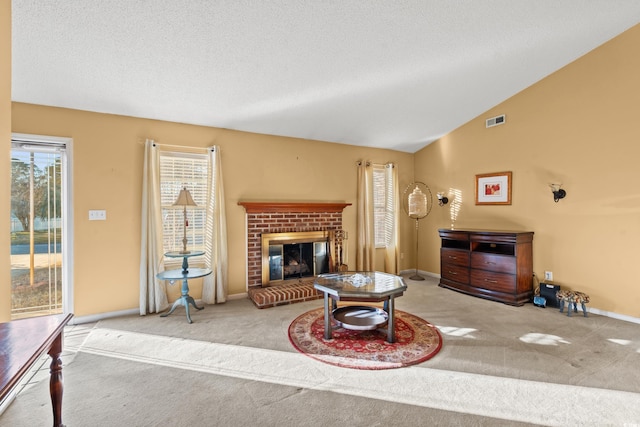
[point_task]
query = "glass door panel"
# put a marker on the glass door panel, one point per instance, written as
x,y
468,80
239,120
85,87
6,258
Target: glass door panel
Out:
x,y
320,258
36,230
275,262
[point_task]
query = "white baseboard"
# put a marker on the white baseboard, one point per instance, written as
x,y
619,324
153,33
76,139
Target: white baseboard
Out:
x,y
243,295
96,317
613,315
92,318
593,310
420,272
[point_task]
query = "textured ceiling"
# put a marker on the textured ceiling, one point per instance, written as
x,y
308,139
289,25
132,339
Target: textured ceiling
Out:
x,y
392,74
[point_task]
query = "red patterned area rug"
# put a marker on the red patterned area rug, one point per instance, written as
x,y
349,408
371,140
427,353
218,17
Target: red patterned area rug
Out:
x,y
416,341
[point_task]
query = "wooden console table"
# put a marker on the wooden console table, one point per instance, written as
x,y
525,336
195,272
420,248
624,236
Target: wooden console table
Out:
x,y
22,342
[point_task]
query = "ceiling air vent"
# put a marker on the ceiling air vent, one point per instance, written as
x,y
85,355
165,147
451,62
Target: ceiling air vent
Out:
x,y
495,121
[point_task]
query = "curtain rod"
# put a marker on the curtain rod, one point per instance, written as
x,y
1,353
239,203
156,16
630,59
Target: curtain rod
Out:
x,y
368,163
183,147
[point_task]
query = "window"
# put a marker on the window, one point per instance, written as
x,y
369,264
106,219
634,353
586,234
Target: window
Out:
x,y
179,170
383,209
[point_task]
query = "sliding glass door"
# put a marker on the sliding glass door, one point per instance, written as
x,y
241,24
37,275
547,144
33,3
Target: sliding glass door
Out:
x,y
39,203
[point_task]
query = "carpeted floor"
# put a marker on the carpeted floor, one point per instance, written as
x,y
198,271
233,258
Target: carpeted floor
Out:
x,y
499,366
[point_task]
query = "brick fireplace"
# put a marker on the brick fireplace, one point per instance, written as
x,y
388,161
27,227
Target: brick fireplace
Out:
x,y
277,217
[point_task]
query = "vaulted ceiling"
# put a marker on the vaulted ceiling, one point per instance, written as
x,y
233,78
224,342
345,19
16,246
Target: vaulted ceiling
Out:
x,y
394,74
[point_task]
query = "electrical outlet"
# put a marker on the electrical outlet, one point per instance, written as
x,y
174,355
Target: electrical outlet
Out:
x,y
97,215
548,275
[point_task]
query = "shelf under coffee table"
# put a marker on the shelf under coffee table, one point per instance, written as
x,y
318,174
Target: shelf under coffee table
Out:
x,y
367,286
360,318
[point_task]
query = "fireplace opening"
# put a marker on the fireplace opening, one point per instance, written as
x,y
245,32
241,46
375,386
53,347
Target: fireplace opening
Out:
x,y
294,255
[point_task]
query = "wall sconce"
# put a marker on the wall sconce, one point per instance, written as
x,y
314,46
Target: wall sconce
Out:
x,y
442,199
558,193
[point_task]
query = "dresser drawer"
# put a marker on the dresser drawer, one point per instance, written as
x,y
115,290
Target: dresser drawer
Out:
x,y
454,257
455,273
492,262
499,282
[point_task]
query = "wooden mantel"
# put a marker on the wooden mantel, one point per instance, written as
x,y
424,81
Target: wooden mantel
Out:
x,y
258,207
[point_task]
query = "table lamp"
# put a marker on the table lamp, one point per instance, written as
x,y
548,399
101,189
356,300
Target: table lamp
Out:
x,y
184,199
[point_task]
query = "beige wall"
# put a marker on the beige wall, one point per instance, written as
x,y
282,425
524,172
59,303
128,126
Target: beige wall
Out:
x,y
107,162
579,127
5,144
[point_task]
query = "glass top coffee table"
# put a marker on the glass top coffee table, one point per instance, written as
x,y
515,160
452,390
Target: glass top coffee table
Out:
x,y
361,286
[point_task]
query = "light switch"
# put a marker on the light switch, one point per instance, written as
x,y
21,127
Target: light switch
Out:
x,y
97,215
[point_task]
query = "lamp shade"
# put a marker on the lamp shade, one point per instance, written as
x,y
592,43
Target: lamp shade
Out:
x,y
184,198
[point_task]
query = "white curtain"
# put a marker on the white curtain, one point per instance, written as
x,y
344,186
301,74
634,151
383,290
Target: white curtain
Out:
x,y
365,244
153,295
214,289
392,252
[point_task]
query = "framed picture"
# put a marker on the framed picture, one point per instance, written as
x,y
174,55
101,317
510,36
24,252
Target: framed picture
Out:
x,y
493,188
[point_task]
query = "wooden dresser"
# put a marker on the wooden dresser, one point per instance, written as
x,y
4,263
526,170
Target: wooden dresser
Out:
x,y
496,265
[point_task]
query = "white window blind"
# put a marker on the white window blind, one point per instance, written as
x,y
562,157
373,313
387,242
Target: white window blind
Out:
x,y
178,170
383,210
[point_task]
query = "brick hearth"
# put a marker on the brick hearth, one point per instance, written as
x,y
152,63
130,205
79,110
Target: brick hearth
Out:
x,y
275,217
289,292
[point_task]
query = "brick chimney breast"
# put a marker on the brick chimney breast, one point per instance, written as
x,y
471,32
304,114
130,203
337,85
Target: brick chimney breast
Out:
x,y
279,217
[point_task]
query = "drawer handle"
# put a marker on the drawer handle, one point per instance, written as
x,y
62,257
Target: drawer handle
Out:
x,y
453,273
453,257
490,263
490,281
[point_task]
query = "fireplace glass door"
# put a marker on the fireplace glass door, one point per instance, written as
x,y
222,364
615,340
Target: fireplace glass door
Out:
x,y
297,260
275,262
320,258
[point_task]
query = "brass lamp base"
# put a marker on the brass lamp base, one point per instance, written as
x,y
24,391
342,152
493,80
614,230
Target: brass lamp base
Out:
x,y
184,239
